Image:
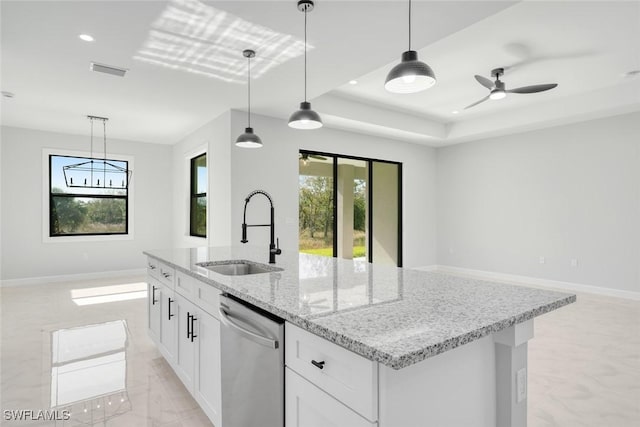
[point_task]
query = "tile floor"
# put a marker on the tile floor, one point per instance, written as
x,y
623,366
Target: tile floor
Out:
x,y
584,362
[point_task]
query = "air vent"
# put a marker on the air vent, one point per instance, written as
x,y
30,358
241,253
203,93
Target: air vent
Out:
x,y
108,69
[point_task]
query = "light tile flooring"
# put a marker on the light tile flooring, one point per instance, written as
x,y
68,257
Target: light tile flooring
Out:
x,y
584,363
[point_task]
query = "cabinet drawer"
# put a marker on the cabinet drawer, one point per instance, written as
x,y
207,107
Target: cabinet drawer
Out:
x,y
166,274
186,285
207,298
350,378
152,267
308,406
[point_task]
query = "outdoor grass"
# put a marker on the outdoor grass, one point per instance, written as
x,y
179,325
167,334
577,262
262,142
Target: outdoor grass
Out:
x,y
358,251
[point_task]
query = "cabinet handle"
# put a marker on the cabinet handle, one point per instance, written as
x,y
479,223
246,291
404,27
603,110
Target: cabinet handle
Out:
x,y
319,365
166,275
169,305
151,266
189,324
193,319
153,295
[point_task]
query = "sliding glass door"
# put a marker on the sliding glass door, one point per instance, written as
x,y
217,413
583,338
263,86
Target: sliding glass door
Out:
x,y
350,207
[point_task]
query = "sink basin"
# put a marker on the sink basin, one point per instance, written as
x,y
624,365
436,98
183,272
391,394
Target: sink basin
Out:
x,y
238,267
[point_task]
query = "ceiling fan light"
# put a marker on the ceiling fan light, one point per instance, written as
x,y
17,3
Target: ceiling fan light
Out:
x,y
497,94
410,75
305,118
249,139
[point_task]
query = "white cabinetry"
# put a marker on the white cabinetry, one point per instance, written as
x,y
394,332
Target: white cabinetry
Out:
x,y
153,308
208,391
321,371
185,354
184,326
308,406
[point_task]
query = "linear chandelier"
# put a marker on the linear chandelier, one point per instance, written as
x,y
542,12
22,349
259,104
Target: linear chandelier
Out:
x,y
96,172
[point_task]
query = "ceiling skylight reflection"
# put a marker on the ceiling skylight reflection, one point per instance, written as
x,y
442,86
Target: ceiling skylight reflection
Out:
x,y
194,37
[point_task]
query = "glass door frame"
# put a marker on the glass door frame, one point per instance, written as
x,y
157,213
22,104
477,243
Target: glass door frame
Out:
x,y
370,162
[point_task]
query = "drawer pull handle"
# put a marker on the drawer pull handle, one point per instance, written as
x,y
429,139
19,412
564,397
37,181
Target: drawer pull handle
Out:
x,y
166,275
319,365
152,267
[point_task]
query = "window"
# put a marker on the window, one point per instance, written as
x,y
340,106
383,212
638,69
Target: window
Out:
x,y
338,196
83,211
198,221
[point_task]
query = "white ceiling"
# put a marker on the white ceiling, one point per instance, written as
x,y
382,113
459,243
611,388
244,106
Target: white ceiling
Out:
x,y
585,47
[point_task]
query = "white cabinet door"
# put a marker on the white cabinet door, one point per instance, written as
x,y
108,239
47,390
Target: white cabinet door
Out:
x,y
308,406
168,321
208,384
153,308
184,363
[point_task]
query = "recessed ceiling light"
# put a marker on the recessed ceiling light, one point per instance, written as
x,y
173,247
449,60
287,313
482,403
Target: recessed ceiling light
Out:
x,y
353,82
455,112
86,37
8,94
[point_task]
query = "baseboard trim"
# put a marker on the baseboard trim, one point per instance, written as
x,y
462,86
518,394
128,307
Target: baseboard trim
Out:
x,y
526,280
71,277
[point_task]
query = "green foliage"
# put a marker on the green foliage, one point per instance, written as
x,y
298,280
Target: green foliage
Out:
x,y
316,205
67,215
359,205
106,211
79,215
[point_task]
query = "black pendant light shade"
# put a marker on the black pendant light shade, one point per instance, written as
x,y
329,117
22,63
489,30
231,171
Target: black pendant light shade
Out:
x,y
249,139
410,75
305,117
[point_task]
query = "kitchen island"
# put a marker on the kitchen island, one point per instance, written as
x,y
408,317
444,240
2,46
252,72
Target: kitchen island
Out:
x,y
399,347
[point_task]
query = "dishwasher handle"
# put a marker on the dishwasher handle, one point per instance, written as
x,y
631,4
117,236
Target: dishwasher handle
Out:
x,y
262,340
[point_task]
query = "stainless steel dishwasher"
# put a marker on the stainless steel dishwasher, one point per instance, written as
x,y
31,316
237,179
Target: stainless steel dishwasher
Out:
x,y
252,354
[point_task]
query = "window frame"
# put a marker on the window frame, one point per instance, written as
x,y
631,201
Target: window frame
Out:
x,y
47,236
193,177
370,162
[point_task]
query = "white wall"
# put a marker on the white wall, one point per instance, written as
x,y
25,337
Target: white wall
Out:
x,y
25,255
213,137
274,168
570,192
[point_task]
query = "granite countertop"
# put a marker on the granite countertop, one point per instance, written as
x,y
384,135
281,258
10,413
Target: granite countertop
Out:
x,y
395,316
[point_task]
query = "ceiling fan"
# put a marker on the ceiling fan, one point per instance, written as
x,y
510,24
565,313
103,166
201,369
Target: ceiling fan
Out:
x,y
498,90
306,156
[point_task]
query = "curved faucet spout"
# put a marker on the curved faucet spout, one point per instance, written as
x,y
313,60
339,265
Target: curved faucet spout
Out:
x,y
273,249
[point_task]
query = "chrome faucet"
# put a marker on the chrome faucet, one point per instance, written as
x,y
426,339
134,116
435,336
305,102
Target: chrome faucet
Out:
x,y
273,248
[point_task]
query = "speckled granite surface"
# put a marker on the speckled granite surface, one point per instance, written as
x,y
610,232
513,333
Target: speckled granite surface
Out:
x,y
392,315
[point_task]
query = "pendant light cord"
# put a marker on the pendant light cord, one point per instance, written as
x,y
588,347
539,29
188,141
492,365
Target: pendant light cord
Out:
x,y
104,129
249,91
91,120
305,54
409,24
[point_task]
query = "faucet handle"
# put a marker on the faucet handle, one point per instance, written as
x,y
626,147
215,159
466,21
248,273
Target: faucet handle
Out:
x,y
278,251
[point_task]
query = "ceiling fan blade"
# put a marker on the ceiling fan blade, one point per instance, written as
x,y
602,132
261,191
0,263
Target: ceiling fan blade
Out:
x,y
478,102
484,82
533,89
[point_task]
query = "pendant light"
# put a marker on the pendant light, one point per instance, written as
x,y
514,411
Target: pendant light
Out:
x,y
410,75
249,139
305,117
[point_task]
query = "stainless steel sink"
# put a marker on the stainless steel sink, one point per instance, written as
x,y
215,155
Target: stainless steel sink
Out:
x,y
238,267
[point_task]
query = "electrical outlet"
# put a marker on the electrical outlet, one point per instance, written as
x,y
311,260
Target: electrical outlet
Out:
x,y
521,385
574,262
541,260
